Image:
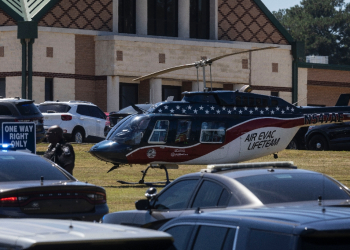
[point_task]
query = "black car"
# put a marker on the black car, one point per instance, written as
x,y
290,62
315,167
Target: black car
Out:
x,y
329,136
22,110
225,186
315,226
34,187
53,234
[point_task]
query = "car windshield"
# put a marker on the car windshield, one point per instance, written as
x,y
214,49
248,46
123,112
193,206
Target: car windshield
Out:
x,y
28,167
27,109
131,131
54,108
293,187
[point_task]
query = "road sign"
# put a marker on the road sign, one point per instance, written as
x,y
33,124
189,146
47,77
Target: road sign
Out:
x,y
21,134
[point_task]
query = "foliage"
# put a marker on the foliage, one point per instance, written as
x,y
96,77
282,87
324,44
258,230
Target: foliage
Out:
x,y
324,26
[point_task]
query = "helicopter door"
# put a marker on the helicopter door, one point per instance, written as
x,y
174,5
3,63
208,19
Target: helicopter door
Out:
x,y
212,140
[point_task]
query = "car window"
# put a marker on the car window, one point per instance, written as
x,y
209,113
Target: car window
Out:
x,y
268,240
5,110
95,112
292,187
181,235
160,132
27,168
183,131
212,132
83,110
54,108
27,109
214,237
176,196
211,194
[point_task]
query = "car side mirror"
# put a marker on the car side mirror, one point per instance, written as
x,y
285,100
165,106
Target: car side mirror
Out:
x,y
142,205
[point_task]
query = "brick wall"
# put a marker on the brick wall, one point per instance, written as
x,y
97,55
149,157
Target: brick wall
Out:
x,y
321,95
144,88
325,86
88,89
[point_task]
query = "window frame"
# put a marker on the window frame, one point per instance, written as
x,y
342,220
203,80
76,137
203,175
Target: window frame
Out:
x,y
159,130
3,82
49,89
212,130
124,17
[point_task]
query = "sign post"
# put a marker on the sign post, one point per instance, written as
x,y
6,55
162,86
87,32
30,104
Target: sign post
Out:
x,y
22,135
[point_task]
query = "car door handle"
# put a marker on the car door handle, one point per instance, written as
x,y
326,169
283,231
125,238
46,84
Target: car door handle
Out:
x,y
81,118
98,121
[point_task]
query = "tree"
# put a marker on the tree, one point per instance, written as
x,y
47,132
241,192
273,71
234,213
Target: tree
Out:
x,y
324,26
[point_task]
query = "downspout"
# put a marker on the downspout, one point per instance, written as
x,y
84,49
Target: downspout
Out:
x,y
24,68
294,73
30,69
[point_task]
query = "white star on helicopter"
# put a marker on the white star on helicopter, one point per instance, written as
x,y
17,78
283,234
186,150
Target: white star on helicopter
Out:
x,y
201,107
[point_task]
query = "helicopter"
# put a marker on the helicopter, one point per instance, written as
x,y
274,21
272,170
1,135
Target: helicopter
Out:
x,y
208,127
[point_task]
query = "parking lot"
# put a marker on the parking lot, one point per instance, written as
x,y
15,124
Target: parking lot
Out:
x,y
122,197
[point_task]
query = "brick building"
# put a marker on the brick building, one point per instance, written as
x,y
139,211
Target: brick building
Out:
x,y
324,83
92,49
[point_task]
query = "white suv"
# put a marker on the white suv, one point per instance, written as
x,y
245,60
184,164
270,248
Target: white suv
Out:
x,y
79,120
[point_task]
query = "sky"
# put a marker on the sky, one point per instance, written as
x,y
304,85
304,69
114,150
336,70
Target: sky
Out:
x,y
275,5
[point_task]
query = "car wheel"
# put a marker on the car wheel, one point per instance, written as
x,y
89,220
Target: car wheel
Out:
x,y
318,142
78,136
292,145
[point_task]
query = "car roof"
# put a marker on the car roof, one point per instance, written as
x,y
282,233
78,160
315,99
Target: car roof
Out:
x,y
67,102
30,232
299,215
15,100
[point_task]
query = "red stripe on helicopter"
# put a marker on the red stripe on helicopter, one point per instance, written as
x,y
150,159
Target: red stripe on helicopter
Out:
x,y
162,153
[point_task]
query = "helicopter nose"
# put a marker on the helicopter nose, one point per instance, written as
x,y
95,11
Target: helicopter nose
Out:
x,y
109,151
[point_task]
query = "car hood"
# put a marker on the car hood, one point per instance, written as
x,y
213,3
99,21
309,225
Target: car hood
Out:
x,y
7,186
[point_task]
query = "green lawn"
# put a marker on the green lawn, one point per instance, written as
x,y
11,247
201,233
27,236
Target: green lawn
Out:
x,y
122,197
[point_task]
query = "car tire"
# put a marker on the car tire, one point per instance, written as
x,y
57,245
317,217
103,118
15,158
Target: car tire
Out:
x,y
293,145
318,142
78,136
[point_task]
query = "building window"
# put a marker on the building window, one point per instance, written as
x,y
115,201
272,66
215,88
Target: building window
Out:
x,y
274,93
199,19
162,17
174,91
49,51
2,87
127,16
48,89
128,94
119,55
274,67
2,51
161,58
244,63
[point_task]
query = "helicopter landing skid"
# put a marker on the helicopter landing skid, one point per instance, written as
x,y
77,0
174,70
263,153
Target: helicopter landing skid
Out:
x,y
144,172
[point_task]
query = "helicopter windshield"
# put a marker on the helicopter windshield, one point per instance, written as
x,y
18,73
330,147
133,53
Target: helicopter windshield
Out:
x,y
131,131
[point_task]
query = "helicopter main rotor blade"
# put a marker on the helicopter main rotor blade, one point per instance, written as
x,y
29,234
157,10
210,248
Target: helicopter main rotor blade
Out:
x,y
200,63
185,66
236,53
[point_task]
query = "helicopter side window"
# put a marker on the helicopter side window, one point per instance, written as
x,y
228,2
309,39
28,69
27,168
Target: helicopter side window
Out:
x,y
183,131
212,132
160,132
258,102
265,102
274,103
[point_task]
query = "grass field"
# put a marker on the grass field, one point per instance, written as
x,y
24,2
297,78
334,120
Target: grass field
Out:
x,y
122,197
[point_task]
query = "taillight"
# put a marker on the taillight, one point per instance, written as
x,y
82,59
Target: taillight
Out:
x,y
97,198
66,117
9,202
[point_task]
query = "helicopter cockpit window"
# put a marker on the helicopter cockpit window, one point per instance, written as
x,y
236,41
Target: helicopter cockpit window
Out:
x,y
160,132
212,132
131,131
183,131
